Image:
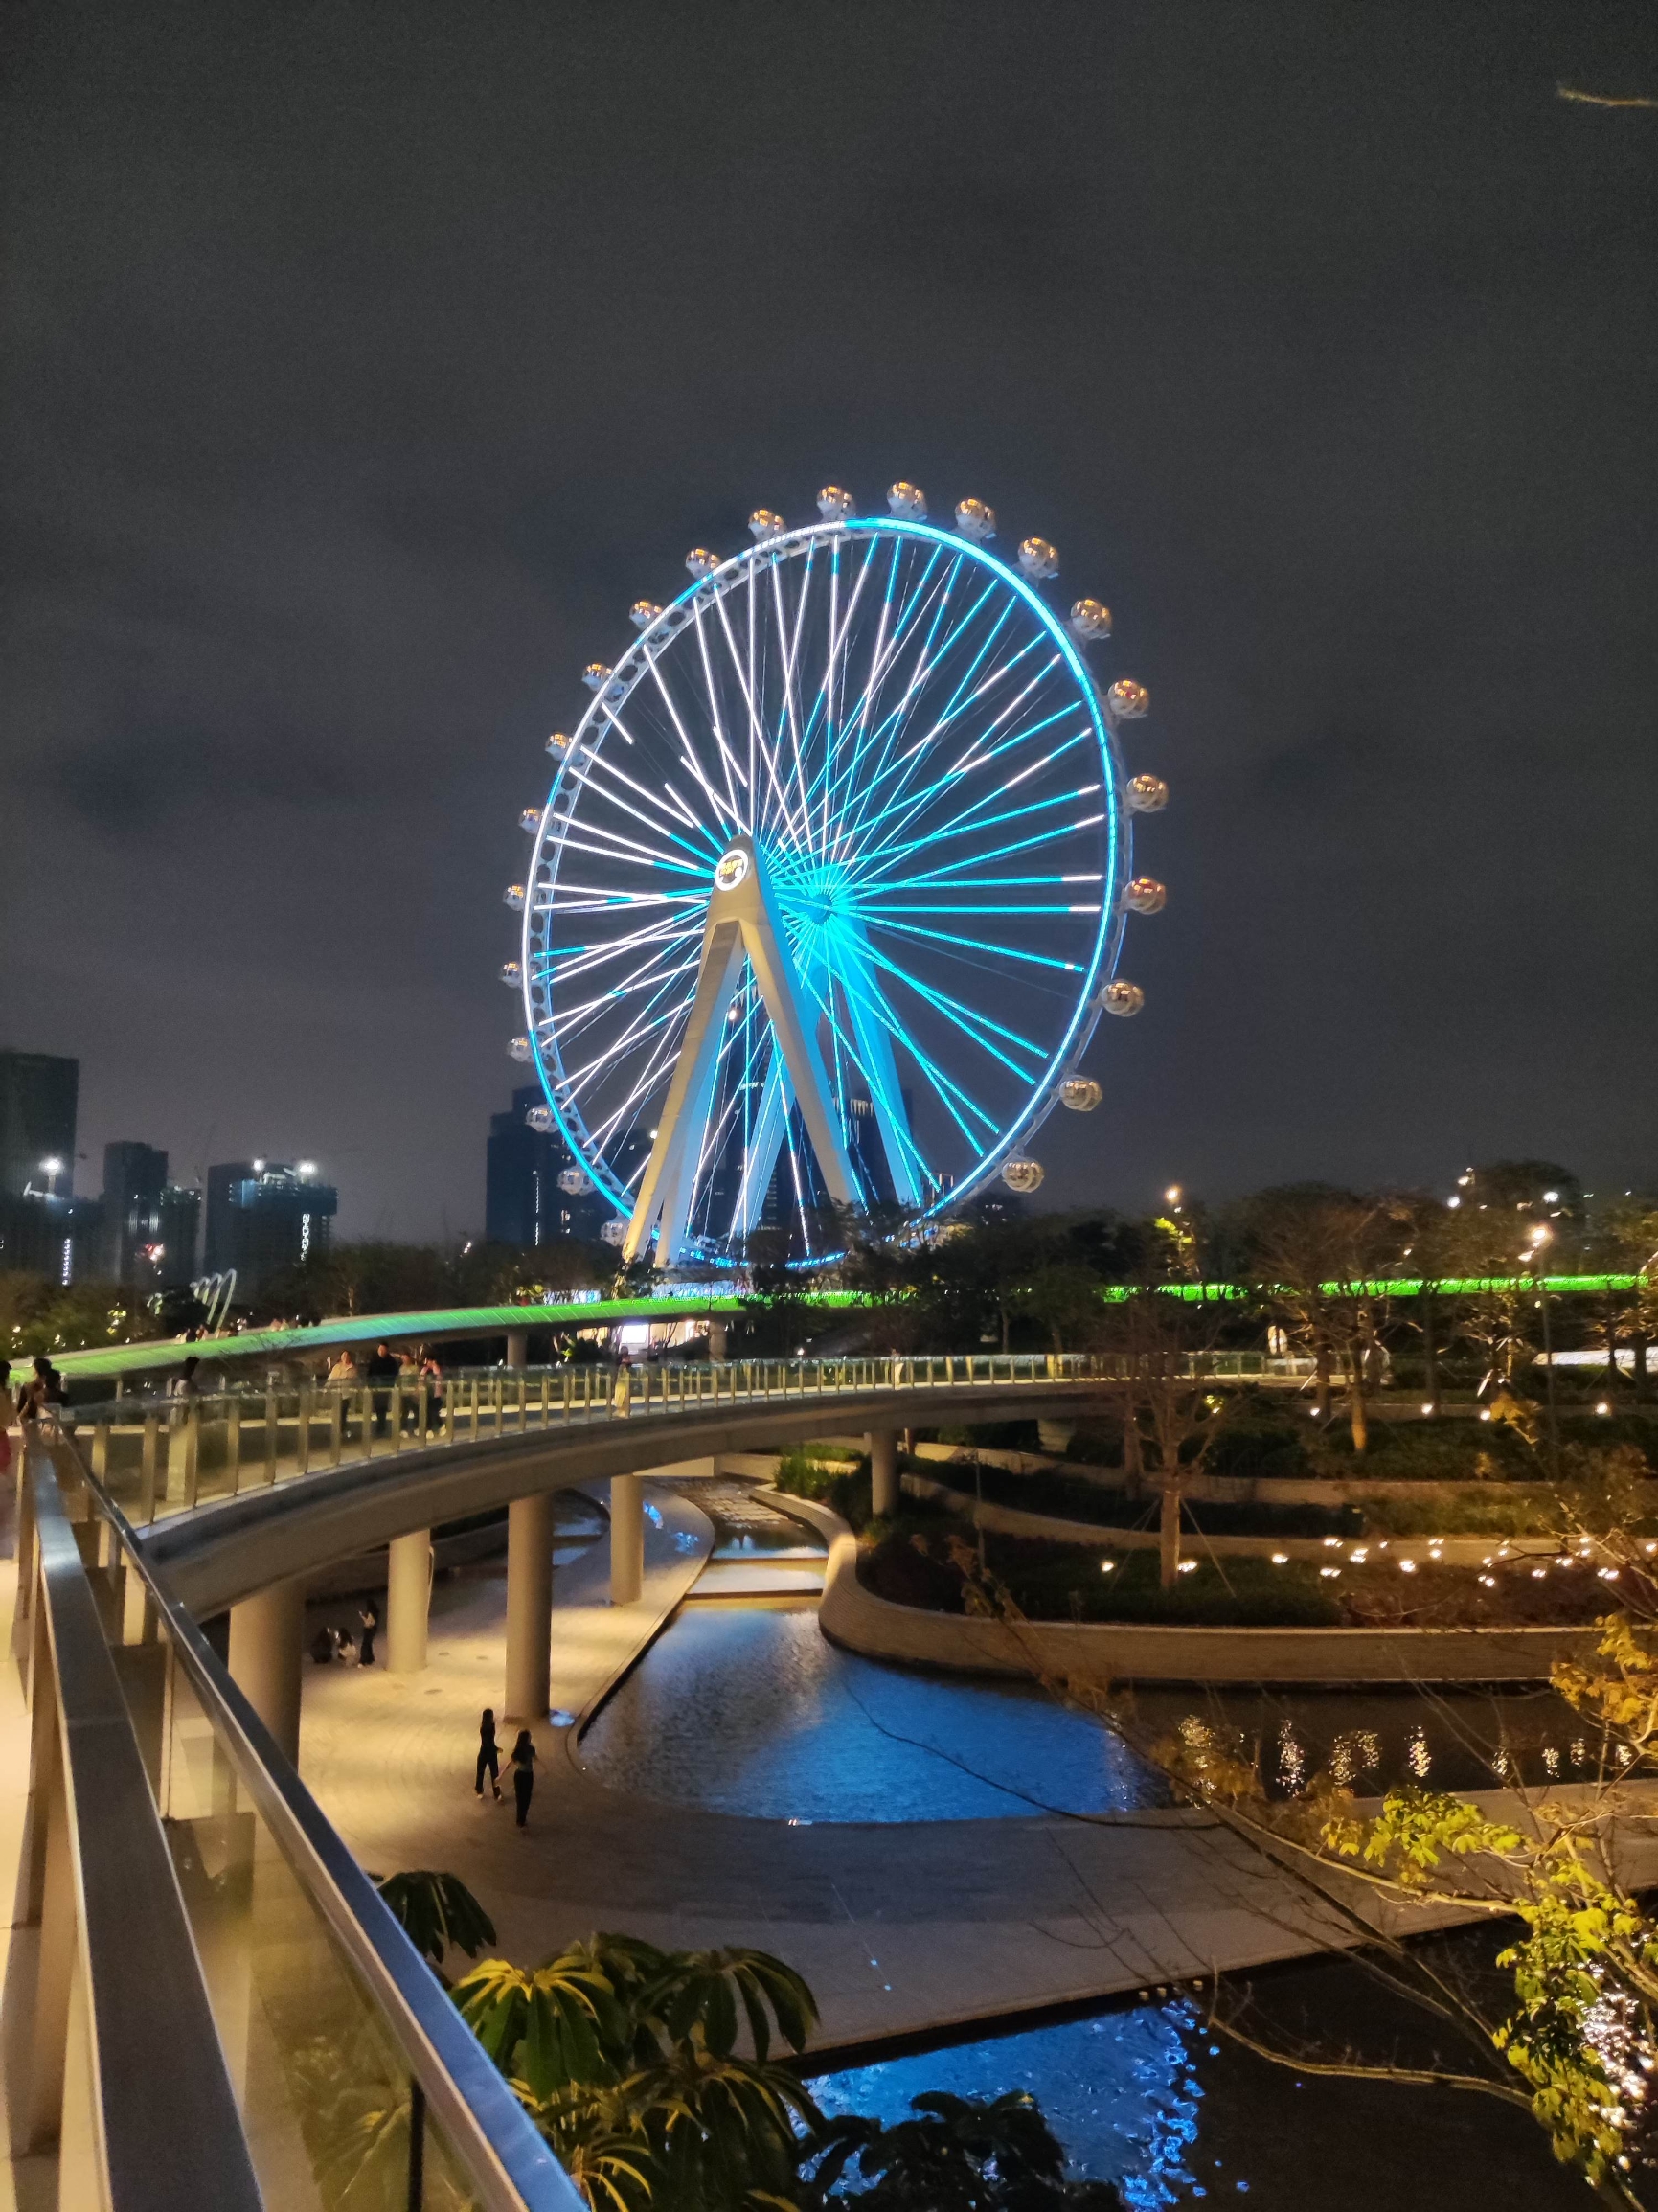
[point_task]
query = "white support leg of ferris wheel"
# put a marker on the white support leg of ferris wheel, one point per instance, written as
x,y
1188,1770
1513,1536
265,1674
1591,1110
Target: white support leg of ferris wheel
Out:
x,y
875,1058
742,919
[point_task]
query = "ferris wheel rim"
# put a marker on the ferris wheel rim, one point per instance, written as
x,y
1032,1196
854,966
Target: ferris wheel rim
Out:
x,y
636,664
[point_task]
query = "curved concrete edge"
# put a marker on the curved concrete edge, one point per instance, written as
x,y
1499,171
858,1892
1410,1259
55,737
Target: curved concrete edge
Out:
x,y
226,1550
596,1645
1106,1652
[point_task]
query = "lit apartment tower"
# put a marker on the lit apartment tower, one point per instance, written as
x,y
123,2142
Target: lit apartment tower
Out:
x,y
38,1231
525,1202
264,1215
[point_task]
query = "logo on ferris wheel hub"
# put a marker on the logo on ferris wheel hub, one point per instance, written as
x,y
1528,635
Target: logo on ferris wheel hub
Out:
x,y
902,769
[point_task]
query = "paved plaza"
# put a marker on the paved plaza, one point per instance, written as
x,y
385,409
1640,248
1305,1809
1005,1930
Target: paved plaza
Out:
x,y
899,1928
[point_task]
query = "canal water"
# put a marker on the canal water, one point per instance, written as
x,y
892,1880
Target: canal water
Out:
x,y
1150,2098
748,1709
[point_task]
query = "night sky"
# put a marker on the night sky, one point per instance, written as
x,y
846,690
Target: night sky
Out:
x,y
363,363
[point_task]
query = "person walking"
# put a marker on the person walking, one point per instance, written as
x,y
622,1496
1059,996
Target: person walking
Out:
x,y
488,1755
523,1773
369,1613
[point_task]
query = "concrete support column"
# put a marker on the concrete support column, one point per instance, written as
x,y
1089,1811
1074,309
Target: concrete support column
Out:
x,y
627,1538
883,1446
266,1639
528,1608
518,1347
408,1594
716,1338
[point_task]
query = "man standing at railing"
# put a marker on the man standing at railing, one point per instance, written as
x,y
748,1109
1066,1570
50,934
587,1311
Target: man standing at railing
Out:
x,y
382,1371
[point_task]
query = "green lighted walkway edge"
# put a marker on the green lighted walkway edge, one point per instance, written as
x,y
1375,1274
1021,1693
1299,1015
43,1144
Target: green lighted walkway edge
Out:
x,y
443,1323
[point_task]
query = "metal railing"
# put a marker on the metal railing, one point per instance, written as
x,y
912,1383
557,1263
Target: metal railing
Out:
x,y
158,1457
114,1971
261,2030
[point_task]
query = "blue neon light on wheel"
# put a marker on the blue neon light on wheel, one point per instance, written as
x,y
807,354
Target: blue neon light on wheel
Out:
x,y
911,738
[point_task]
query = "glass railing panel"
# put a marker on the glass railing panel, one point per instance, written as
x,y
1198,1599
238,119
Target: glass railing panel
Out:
x,y
332,2117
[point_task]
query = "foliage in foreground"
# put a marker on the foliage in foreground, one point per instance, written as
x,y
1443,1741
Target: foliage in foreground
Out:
x,y
627,2060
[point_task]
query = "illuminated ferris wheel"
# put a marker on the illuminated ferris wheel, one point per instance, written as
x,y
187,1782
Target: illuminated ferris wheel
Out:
x,y
827,896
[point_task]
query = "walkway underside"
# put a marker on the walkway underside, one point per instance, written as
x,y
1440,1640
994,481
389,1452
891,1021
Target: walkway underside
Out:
x,y
220,1553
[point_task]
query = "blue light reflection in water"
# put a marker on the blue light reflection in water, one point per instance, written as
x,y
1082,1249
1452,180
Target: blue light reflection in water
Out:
x,y
1119,2091
751,1710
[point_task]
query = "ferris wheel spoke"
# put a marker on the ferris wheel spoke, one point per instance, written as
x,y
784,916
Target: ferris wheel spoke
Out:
x,y
880,740
979,1029
949,831
899,816
790,713
716,723
979,945
678,814
757,739
687,753
976,756
965,696
920,599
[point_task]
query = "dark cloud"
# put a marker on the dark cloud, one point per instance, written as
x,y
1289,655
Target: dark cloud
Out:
x,y
362,366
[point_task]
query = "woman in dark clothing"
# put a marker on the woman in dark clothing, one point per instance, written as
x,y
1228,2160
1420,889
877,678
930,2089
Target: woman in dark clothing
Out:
x,y
369,1613
523,1773
488,1754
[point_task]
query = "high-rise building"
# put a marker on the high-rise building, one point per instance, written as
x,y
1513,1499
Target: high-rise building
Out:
x,y
149,1225
264,1215
534,1189
41,1230
38,1097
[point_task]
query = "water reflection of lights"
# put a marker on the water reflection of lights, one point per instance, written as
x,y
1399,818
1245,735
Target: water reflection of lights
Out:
x,y
1417,1757
1120,2091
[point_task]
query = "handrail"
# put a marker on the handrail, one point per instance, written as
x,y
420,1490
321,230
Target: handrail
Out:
x,y
506,2162
161,2114
198,1449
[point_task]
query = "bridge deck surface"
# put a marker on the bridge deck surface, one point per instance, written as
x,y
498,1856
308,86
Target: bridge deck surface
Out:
x,y
899,1929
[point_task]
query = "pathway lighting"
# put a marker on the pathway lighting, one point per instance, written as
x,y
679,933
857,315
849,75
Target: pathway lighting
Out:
x,y
1490,1580
1188,1568
1603,1407
1280,1558
1359,1555
1331,1539
1537,1573
1484,1413
1107,1565
1329,1573
1407,1566
1429,1408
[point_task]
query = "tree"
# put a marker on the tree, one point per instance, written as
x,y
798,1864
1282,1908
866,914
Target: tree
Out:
x,y
1170,1418
437,1913
1312,1252
957,2155
626,2058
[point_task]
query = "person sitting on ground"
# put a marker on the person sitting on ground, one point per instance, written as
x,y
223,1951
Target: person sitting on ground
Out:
x,y
322,1646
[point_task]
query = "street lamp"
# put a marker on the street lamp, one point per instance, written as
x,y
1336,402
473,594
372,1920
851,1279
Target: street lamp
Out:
x,y
52,1169
1540,1235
